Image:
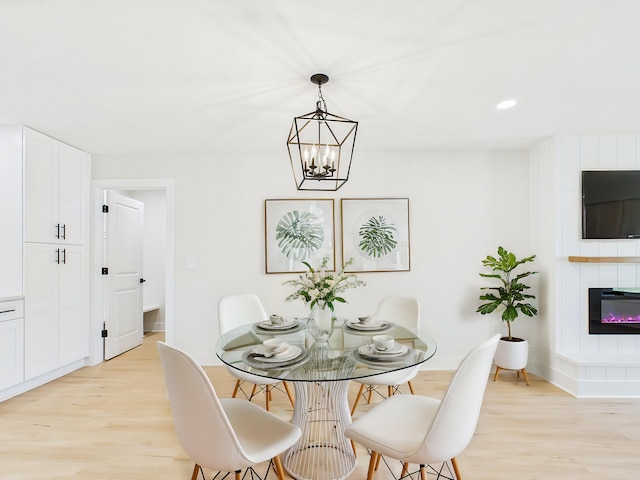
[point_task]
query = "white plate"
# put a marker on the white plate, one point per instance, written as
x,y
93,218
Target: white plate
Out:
x,y
372,352
367,326
291,352
267,325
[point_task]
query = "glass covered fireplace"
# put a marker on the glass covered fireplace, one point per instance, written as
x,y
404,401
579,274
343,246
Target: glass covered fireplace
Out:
x,y
614,311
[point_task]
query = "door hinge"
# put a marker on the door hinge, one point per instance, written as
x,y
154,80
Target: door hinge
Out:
x,y
105,334
105,208
105,271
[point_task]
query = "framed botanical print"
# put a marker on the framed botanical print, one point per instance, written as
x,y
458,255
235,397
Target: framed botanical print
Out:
x,y
375,233
298,231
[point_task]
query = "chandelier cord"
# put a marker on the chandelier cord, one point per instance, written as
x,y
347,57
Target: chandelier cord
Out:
x,y
321,105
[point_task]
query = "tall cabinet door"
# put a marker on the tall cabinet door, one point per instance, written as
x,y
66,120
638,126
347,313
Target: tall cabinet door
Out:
x,y
73,306
41,263
41,187
73,195
10,211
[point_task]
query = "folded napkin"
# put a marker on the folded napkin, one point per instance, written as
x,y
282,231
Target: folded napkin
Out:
x,y
276,319
368,320
264,351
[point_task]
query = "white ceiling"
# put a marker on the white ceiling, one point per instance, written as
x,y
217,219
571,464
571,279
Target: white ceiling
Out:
x,y
212,76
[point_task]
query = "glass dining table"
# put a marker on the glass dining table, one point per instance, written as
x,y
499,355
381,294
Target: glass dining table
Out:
x,y
320,372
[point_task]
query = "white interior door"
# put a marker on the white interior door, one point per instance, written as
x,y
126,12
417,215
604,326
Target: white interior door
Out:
x,y
124,229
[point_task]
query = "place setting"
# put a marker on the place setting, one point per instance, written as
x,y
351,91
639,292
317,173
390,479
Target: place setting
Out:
x,y
274,353
383,348
368,324
277,324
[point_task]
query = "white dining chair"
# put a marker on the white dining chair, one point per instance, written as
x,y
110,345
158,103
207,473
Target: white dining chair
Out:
x,y
221,434
421,430
235,311
402,311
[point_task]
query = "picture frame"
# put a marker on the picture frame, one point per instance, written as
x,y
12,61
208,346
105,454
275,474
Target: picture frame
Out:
x,y
375,233
297,231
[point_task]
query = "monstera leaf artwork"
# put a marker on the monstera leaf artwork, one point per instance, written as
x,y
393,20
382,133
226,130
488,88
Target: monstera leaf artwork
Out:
x,y
375,233
299,235
377,237
298,232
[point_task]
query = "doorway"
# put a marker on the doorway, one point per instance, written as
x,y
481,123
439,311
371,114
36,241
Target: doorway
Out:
x,y
142,189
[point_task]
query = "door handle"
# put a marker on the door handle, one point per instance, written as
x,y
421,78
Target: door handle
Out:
x,y
58,230
64,256
7,311
64,231
142,280
58,255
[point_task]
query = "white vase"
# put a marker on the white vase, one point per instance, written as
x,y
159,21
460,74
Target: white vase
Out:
x,y
320,324
512,354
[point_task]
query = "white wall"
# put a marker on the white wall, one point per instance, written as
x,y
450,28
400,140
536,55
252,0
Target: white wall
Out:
x,y
463,204
583,364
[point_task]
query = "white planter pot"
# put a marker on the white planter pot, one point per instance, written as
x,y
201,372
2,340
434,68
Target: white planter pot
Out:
x,y
512,355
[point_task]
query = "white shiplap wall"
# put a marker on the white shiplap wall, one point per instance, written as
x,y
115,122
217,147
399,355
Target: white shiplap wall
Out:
x,y
583,364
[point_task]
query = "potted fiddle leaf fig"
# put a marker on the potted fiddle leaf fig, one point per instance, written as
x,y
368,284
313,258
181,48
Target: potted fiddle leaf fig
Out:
x,y
509,296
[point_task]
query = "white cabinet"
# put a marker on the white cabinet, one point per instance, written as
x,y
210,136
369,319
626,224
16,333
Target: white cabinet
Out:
x,y
57,182
44,190
10,211
57,306
11,343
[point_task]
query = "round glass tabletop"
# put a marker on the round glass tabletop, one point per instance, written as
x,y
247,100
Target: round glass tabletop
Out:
x,y
349,353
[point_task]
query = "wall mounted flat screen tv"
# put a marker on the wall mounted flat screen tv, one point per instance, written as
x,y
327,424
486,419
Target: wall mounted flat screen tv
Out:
x,y
610,204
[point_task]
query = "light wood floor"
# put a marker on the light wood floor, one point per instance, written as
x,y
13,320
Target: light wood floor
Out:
x,y
113,421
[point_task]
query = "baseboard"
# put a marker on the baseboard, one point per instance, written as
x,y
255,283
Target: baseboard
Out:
x,y
40,380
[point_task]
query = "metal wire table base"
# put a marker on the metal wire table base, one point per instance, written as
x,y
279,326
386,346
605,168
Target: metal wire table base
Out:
x,y
323,452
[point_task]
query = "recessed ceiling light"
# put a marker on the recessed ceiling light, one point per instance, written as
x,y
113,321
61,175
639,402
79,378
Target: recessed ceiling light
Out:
x,y
506,104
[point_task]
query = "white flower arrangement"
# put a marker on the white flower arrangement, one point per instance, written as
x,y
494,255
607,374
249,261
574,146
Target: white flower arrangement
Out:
x,y
323,287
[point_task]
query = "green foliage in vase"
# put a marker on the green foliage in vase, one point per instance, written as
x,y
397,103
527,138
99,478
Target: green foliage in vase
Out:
x,y
321,287
377,237
299,234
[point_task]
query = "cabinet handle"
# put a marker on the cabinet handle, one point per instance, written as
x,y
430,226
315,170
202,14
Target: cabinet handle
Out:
x,y
58,255
7,311
64,231
58,230
64,256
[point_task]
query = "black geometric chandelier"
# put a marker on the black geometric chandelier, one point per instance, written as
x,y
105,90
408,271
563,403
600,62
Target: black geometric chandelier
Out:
x,y
321,146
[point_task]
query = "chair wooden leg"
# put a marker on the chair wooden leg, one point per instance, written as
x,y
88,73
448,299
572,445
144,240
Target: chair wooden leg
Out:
x,y
196,469
278,465
238,472
253,391
456,470
355,404
370,390
378,462
524,374
423,473
235,390
411,387
496,375
372,464
267,396
286,387
389,391
353,447
405,469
